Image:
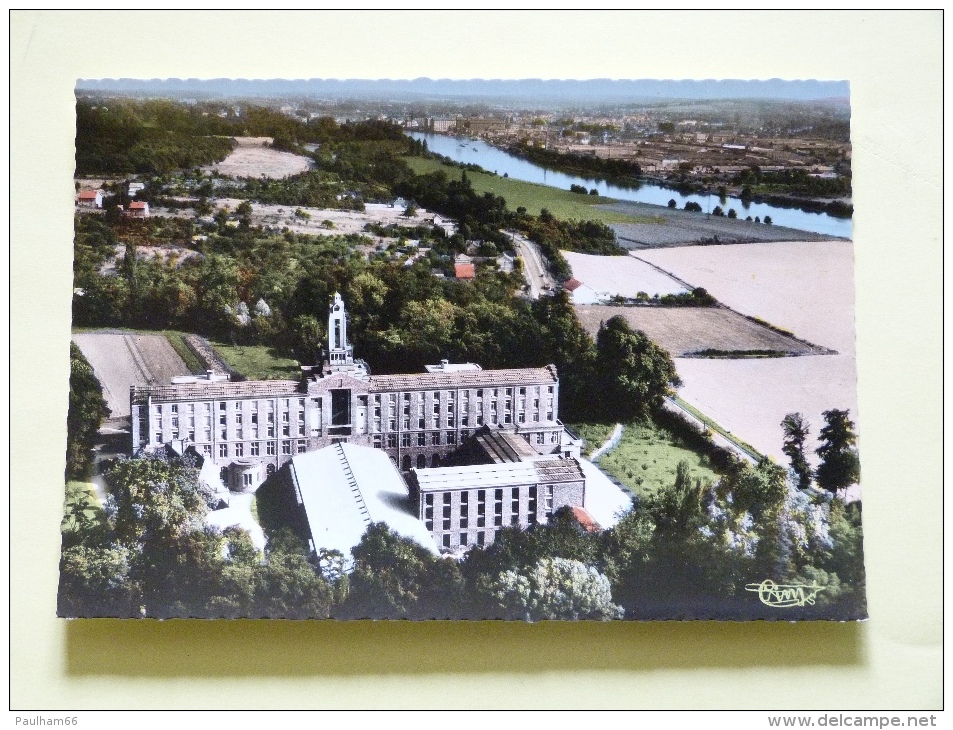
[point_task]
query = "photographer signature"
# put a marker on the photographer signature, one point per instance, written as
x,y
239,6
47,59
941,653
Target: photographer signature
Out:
x,y
784,596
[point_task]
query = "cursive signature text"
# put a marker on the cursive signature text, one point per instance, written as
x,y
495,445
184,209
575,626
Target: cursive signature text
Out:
x,y
784,596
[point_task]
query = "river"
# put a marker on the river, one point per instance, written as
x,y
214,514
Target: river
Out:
x,y
493,159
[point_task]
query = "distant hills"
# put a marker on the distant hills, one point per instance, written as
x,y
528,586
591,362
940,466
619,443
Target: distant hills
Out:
x,y
481,90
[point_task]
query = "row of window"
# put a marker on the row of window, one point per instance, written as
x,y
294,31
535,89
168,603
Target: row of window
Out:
x,y
461,519
436,395
205,406
255,448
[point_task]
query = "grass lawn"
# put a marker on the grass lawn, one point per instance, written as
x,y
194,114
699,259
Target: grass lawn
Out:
x,y
81,499
192,362
561,203
593,434
647,457
258,362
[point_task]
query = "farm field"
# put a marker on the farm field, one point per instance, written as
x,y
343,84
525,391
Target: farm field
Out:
x,y
804,287
121,359
620,275
561,203
683,228
252,158
685,330
647,458
807,287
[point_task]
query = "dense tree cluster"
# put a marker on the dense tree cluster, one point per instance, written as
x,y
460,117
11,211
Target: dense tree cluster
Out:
x,y
87,410
619,172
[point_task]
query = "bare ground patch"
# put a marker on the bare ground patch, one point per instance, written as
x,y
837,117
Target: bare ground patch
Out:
x,y
687,330
253,157
121,359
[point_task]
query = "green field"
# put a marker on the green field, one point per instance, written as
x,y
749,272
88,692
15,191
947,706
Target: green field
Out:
x,y
561,203
647,457
82,505
593,435
258,362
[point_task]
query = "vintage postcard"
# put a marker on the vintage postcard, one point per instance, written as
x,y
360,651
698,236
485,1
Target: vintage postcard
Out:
x,y
524,350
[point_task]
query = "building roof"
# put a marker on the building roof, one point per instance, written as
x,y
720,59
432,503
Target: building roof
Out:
x,y
572,284
585,519
464,271
212,390
345,487
463,379
504,446
489,476
446,366
89,194
138,205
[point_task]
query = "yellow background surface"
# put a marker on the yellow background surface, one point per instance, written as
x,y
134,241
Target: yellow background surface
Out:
x,y
893,661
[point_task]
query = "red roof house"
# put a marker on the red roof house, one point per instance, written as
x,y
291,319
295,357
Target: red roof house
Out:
x,y
465,271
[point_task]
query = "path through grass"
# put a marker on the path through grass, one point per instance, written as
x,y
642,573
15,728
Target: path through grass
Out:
x,y
647,458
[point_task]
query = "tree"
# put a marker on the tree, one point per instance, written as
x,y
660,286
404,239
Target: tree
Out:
x,y
840,464
796,430
767,220
672,203
634,372
87,409
554,588
732,213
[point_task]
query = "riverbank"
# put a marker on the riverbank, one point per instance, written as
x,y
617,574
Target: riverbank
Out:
x,y
683,228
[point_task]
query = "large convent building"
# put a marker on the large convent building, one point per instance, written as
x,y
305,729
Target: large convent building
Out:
x,y
452,415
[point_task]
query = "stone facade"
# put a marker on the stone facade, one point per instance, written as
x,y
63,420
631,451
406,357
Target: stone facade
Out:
x,y
417,419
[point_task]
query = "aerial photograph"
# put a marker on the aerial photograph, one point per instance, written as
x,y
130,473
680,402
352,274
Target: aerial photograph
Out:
x,y
443,349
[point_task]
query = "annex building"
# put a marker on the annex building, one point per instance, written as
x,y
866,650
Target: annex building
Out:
x,y
480,449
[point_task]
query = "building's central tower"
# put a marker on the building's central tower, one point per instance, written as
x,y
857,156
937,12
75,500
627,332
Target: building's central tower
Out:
x,y
340,352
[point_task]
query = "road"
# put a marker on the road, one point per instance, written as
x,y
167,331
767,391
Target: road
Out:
x,y
534,267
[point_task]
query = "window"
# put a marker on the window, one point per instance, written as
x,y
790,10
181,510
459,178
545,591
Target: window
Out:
x,y
531,505
540,438
302,446
285,429
521,417
406,424
481,539
421,423
498,507
221,420
222,406
549,389
446,541
463,538
554,437
548,501
446,510
238,405
435,438
246,480
515,506
223,450
286,448
464,509
463,434
378,442
393,424
222,433
301,429
507,417
450,421
464,420
421,461
270,448
428,511
405,439
549,415
436,408
522,391
207,449
158,437
406,397
239,449
256,448
421,439
451,437
392,441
